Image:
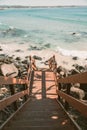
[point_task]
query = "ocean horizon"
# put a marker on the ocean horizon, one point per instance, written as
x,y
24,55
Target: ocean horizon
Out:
x,y
63,30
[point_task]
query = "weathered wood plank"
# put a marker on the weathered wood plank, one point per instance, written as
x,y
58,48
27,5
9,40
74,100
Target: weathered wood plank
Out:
x,y
6,80
80,106
11,99
77,78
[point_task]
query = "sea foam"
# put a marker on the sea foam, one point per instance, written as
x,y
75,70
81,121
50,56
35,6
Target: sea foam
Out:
x,y
78,53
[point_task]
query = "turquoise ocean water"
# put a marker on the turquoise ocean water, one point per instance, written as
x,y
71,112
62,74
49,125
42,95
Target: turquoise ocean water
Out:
x,y
60,29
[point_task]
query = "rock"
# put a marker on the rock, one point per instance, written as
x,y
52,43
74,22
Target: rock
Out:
x,y
37,57
73,33
1,96
59,69
1,49
35,48
84,88
47,45
5,59
10,57
77,85
77,92
16,64
18,58
2,55
62,71
20,100
24,61
1,74
27,57
4,90
9,70
18,50
79,67
73,71
75,58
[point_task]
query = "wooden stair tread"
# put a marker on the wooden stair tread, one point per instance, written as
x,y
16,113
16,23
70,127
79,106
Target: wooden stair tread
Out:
x,y
62,127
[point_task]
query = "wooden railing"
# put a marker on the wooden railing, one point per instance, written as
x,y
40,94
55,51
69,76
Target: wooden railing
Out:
x,y
14,95
69,100
52,63
65,93
23,85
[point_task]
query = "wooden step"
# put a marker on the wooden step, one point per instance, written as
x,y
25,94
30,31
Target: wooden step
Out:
x,y
62,127
40,122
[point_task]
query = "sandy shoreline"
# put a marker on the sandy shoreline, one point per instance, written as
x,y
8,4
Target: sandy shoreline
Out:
x,y
64,61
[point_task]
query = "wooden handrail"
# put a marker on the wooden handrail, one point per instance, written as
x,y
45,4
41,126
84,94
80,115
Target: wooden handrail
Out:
x,y
77,78
11,99
8,81
15,81
52,63
80,106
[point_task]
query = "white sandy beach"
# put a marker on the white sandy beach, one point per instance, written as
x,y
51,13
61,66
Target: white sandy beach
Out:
x,y
65,61
62,60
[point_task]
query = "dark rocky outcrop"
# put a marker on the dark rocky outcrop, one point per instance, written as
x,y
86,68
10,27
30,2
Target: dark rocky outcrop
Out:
x,y
79,68
18,50
84,88
73,33
35,48
18,58
75,58
37,57
62,71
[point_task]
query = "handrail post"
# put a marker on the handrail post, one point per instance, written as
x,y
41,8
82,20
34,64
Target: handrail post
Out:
x,y
25,96
68,92
59,88
12,90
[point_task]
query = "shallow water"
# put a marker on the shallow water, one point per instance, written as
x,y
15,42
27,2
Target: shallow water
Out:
x,y
60,29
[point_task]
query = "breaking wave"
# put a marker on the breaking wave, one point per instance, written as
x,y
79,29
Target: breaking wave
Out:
x,y
78,53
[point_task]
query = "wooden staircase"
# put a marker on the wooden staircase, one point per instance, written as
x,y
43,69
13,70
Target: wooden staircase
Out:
x,y
39,90
41,112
